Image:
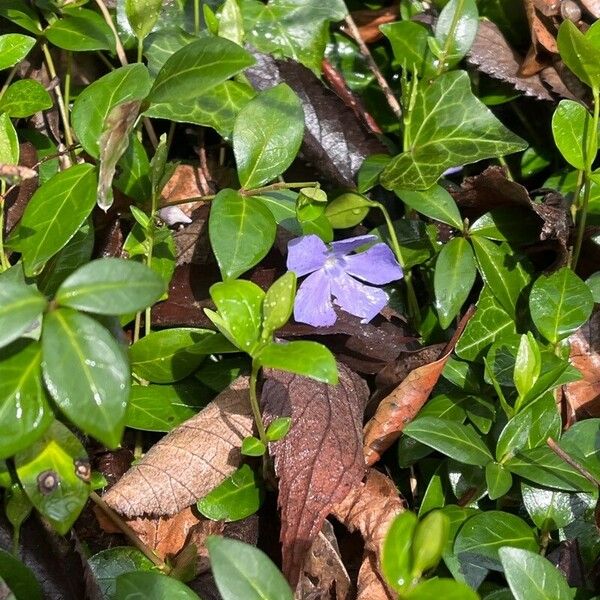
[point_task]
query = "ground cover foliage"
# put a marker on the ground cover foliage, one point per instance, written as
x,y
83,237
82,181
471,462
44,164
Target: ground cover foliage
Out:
x,y
298,299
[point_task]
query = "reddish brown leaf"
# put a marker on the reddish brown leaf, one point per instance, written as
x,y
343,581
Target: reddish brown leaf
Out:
x,y
492,55
186,182
370,583
190,461
369,21
403,404
543,29
320,459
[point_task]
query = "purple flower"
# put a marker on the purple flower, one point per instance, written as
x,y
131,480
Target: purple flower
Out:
x,y
332,273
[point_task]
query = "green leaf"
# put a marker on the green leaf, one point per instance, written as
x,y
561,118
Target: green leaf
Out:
x,y
80,30
107,565
416,240
455,273
24,410
460,442
582,441
24,98
572,128
437,143
162,44
533,577
142,15
54,215
22,14
236,498
559,304
19,578
54,472
396,555
498,480
20,306
217,375
456,29
507,224
278,429
368,174
448,589
111,286
163,407
231,23
435,203
309,359
95,102
429,540
410,48
87,374
241,232
9,144
579,53
252,446
503,272
14,47
243,571
134,180
484,534
278,304
347,210
528,364
151,586
267,135
199,65
593,282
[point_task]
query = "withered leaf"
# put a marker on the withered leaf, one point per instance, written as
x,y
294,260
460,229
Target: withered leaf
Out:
x,y
335,142
493,55
320,459
543,29
370,583
188,462
17,199
405,401
369,21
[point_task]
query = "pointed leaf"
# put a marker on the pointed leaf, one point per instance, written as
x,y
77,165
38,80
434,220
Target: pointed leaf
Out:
x,y
20,306
435,203
24,98
14,47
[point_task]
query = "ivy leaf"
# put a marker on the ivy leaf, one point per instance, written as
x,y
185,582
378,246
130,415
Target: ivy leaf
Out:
x,y
14,47
267,135
20,306
87,374
437,142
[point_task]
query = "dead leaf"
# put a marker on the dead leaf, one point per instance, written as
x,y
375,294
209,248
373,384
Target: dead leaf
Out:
x,y
584,395
369,21
188,462
18,198
543,29
186,182
563,82
320,459
592,6
403,404
492,55
370,583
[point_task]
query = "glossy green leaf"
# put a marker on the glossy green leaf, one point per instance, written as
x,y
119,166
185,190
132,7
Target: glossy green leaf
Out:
x,y
435,203
410,48
54,472
199,65
533,577
368,174
396,555
278,429
107,565
504,273
560,303
593,282
93,105
9,144
582,442
498,480
142,15
456,29
434,142
20,306
163,407
111,286
19,578
347,210
231,23
507,224
252,446
236,498
54,215
482,536
243,571
448,589
14,47
151,586
87,373
455,273
571,127
24,98
578,53
278,304
528,364
429,540
19,12
241,232
163,43
80,30
460,442
309,359
267,135
24,410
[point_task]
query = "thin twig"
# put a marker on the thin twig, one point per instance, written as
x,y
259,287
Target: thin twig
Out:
x,y
571,461
383,84
119,46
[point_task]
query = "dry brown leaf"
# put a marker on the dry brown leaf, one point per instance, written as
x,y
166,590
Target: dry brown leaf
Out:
x,y
320,459
492,55
370,508
188,462
543,29
187,181
402,405
18,198
584,395
370,584
369,21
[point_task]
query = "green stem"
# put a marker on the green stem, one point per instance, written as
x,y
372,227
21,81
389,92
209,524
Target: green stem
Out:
x,y
504,164
4,263
68,87
450,37
9,79
140,50
196,17
260,426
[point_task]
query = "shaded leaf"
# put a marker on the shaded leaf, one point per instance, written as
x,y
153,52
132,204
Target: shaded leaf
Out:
x,y
152,586
79,30
20,306
19,578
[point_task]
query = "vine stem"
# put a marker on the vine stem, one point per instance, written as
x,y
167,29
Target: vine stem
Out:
x,y
119,46
4,263
260,425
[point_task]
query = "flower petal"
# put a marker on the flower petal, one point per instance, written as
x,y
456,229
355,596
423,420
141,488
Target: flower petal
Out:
x,y
376,265
313,301
306,254
357,298
344,247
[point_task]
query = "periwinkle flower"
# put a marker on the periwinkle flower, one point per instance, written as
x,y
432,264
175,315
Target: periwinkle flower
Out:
x,y
334,272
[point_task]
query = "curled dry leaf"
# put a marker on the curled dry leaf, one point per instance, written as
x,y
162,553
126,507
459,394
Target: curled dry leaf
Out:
x,y
320,460
188,462
543,29
403,404
370,583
